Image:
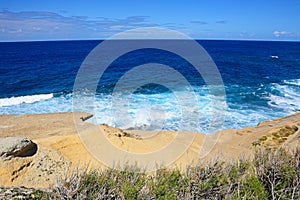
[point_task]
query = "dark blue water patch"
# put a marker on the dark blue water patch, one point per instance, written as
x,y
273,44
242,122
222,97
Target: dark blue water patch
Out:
x,y
152,89
29,68
40,67
250,62
130,60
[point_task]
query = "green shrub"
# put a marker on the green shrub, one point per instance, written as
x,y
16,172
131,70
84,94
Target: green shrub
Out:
x,y
252,188
168,184
279,173
270,175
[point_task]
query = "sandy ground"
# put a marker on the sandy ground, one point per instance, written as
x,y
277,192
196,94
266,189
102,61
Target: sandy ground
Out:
x,y
62,146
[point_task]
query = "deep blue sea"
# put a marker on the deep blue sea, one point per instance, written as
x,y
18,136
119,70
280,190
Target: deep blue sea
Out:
x,y
38,77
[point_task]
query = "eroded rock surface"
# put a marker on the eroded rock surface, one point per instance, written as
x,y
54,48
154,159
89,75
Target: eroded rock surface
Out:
x,y
11,147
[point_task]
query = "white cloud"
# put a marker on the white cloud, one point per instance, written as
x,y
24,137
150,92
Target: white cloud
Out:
x,y
31,25
36,28
281,33
16,31
117,27
247,35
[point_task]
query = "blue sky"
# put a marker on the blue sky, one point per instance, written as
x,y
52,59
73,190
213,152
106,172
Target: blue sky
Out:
x,y
22,20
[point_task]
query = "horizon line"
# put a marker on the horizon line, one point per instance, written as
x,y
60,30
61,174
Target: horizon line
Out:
x,y
197,39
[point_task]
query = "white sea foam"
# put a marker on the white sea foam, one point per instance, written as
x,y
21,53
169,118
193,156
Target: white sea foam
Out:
x,y
284,103
285,96
157,111
293,82
162,110
24,99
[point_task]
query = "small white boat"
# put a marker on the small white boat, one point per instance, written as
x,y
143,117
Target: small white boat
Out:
x,y
274,57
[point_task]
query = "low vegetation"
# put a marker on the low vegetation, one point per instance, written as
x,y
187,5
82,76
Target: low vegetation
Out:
x,y
270,175
276,138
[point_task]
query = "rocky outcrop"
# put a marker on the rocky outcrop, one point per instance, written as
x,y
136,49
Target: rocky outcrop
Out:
x,y
11,147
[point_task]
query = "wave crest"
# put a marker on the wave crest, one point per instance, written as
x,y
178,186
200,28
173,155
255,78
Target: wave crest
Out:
x,y
24,99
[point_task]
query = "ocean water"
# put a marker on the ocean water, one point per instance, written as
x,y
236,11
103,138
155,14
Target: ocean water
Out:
x,y
38,77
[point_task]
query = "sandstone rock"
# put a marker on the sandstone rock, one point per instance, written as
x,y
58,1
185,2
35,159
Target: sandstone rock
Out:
x,y
16,147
